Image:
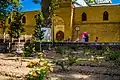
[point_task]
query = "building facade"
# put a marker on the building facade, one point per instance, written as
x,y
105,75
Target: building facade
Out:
x,y
101,21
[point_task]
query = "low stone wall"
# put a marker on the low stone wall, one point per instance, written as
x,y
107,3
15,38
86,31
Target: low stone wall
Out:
x,y
47,45
4,47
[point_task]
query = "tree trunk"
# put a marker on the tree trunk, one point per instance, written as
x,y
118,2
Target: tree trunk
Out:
x,y
10,45
4,37
40,46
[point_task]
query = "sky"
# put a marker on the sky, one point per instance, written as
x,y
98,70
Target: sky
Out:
x,y
30,6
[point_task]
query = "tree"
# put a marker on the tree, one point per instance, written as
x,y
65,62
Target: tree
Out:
x,y
4,26
48,7
38,33
5,8
16,27
4,4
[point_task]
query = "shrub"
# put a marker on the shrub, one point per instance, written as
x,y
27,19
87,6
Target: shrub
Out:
x,y
32,64
113,56
69,58
40,70
29,48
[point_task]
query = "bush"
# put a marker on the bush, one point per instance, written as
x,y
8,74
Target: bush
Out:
x,y
69,58
29,48
40,70
113,56
32,64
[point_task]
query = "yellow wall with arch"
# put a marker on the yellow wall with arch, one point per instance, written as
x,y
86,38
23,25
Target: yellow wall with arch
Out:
x,y
107,31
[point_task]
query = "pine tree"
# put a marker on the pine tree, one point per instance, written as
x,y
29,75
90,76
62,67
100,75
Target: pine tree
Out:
x,y
47,8
38,33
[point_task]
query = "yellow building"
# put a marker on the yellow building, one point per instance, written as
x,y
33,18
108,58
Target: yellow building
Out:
x,y
101,21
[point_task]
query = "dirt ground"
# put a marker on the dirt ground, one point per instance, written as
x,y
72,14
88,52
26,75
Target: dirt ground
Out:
x,y
11,69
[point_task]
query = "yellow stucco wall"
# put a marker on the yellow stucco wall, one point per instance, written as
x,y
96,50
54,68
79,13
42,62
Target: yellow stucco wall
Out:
x,y
64,12
107,31
30,21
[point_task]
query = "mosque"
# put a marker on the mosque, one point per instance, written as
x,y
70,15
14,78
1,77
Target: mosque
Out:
x,y
99,20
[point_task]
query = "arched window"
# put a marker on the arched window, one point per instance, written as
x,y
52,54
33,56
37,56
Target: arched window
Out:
x,y
35,16
24,19
9,20
105,15
84,16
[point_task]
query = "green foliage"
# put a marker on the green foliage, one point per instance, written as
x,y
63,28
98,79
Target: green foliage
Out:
x,y
4,25
86,51
69,58
54,4
38,33
4,12
32,64
113,56
5,7
108,54
48,7
60,50
40,70
4,4
61,63
37,74
16,27
29,48
16,2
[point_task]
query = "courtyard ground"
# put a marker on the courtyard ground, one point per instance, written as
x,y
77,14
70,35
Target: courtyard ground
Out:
x,y
11,69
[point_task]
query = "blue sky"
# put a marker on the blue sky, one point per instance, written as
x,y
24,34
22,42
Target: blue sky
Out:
x,y
116,1
30,6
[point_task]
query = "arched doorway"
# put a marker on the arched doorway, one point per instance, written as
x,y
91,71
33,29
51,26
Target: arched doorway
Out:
x,y
60,35
58,28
